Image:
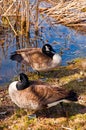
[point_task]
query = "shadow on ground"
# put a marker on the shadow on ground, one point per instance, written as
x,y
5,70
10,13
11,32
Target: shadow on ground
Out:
x,y
71,109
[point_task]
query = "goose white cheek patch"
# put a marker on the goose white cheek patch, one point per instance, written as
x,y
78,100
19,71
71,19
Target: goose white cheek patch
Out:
x,y
47,49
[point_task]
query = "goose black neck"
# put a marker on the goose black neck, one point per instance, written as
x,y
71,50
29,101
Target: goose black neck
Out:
x,y
23,83
49,53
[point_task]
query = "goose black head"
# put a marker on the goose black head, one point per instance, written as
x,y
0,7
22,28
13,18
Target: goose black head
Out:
x,y
48,50
23,83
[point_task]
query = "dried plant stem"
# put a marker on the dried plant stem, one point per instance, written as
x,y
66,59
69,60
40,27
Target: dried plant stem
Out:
x,y
22,17
11,26
27,17
36,21
69,12
9,8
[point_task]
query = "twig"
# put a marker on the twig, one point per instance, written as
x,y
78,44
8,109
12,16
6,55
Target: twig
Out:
x,y
10,15
66,128
11,26
9,8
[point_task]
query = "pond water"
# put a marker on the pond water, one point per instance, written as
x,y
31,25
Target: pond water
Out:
x,y
71,42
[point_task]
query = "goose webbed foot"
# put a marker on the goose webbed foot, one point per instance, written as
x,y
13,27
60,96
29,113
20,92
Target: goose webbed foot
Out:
x,y
32,116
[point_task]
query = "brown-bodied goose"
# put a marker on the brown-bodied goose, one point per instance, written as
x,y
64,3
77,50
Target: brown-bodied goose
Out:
x,y
40,59
37,95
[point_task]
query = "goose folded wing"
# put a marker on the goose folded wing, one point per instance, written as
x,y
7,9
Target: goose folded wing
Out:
x,y
48,94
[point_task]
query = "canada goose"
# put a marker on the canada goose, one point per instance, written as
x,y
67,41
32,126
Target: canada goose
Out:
x,y
37,95
44,59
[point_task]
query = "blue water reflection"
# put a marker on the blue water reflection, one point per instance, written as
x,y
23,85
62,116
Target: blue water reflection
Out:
x,y
72,43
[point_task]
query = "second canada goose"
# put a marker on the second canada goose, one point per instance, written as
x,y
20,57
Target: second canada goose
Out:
x,y
36,95
44,59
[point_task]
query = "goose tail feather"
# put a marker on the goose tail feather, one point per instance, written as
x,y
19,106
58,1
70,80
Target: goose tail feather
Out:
x,y
16,57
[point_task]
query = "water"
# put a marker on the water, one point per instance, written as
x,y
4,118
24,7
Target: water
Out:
x,y
71,42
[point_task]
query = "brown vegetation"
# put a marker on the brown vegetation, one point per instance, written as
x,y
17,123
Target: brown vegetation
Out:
x,y
71,13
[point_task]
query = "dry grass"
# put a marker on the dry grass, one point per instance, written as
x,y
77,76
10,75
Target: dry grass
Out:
x,y
53,118
71,13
